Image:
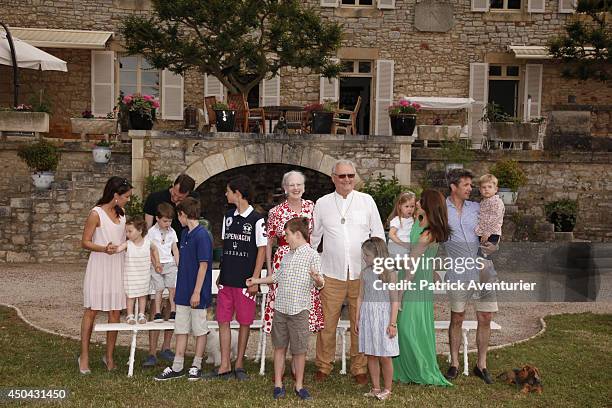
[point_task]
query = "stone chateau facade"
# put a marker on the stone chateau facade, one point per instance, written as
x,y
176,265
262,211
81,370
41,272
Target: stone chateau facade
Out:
x,y
484,49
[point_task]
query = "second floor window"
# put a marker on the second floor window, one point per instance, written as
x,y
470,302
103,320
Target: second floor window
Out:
x,y
505,4
357,2
136,75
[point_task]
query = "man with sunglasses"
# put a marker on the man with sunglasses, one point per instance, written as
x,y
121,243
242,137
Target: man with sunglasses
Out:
x,y
343,219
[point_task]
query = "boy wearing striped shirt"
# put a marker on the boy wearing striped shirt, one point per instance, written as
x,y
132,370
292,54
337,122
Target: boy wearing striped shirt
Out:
x,y
299,272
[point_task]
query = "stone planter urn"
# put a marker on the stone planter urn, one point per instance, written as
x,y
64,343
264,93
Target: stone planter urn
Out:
x,y
94,126
508,196
225,120
403,124
140,122
438,133
322,122
101,154
13,121
43,179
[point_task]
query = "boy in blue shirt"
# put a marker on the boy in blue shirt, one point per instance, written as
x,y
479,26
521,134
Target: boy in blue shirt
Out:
x,y
193,291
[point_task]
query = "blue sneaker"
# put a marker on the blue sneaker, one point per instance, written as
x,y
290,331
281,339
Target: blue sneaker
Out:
x,y
303,394
279,392
167,355
151,361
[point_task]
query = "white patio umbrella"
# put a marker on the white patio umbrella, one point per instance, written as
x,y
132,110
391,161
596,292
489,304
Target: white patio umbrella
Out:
x,y
29,56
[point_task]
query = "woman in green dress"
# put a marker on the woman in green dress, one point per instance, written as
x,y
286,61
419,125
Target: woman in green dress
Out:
x,y
417,361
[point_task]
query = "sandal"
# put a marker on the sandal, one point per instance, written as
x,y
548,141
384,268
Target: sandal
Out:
x,y
130,319
142,319
373,393
385,394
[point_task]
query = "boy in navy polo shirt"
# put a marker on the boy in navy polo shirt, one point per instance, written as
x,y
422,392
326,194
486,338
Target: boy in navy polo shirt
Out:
x,y
193,290
244,252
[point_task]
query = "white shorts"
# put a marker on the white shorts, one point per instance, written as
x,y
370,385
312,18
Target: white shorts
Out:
x,y
459,298
167,279
190,320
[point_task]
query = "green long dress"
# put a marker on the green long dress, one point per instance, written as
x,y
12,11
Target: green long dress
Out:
x,y
417,361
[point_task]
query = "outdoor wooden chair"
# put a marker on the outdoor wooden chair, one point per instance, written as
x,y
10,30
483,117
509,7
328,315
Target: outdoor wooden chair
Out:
x,y
296,120
257,118
241,107
209,101
348,124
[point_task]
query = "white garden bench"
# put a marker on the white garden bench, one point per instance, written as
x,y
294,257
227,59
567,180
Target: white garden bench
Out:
x,y
344,326
212,324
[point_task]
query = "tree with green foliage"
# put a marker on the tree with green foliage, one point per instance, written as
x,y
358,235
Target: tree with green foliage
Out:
x,y
240,42
586,47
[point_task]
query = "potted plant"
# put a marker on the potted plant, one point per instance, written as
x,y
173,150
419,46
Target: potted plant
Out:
x,y
562,214
25,118
510,176
102,152
384,191
42,158
321,116
456,154
403,117
225,116
141,110
505,128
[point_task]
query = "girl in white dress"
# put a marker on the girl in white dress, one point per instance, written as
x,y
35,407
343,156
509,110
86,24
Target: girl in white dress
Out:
x,y
140,253
400,222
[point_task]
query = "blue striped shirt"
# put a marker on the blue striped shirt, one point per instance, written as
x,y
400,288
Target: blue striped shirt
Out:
x,y
463,242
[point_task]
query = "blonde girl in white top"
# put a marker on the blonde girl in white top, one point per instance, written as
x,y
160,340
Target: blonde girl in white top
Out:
x,y
400,222
140,254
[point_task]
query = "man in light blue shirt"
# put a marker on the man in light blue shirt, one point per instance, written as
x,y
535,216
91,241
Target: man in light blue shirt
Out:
x,y
462,247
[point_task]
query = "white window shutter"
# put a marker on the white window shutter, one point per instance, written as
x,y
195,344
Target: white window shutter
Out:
x,y
480,5
213,87
533,89
386,4
384,96
269,91
102,82
536,6
479,91
329,88
329,3
567,6
171,96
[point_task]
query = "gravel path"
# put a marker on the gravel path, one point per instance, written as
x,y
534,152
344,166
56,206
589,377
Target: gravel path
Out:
x,y
50,296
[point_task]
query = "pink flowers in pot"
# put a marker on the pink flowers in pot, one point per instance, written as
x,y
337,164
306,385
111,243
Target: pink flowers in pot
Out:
x,y
143,104
404,106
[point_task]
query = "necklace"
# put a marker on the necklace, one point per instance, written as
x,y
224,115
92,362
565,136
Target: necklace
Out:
x,y
343,215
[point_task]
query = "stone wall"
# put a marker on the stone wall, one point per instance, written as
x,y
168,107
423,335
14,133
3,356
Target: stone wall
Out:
x,y
584,177
426,63
46,226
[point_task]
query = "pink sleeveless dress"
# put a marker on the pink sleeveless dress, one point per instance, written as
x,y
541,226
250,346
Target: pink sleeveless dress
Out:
x,y
103,285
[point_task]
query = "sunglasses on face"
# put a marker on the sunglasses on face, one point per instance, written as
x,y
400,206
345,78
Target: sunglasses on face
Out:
x,y
343,176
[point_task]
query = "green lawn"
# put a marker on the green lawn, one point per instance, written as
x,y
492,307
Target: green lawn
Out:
x,y
573,356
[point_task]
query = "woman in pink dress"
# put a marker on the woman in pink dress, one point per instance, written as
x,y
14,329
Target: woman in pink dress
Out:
x,y
294,206
103,286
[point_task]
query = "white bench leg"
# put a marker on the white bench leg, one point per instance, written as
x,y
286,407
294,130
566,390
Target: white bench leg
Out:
x,y
132,353
262,367
343,370
259,342
466,370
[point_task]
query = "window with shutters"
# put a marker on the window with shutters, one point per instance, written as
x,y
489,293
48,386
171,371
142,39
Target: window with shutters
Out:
x,y
136,75
505,5
362,3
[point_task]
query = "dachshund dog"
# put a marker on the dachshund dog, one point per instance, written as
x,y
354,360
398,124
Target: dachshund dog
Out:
x,y
526,378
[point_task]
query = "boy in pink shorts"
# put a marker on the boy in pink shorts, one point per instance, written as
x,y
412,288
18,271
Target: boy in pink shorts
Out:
x,y
244,252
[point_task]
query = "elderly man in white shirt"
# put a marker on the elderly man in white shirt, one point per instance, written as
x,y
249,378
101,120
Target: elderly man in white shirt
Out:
x,y
344,219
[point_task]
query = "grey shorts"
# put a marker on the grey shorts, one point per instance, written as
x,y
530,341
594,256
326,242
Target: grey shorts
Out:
x,y
291,330
190,320
167,279
459,298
